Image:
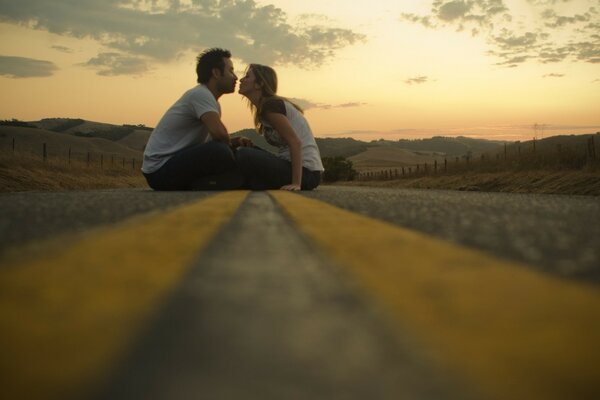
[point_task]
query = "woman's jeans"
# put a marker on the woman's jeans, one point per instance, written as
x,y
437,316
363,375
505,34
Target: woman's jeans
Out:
x,y
207,166
263,170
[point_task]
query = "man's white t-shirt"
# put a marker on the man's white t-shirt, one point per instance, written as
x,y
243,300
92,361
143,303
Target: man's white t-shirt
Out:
x,y
180,127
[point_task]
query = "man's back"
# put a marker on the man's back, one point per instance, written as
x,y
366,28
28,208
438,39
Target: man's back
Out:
x,y
180,127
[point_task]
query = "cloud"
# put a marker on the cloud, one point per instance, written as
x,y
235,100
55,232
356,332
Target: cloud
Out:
x,y
62,49
416,80
454,10
307,104
556,21
21,67
111,64
546,2
553,75
160,31
459,13
514,39
350,133
349,105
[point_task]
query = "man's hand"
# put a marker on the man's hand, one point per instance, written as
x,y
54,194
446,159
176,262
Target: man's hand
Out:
x,y
241,142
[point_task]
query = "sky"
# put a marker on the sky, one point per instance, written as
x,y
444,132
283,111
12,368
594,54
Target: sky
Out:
x,y
367,69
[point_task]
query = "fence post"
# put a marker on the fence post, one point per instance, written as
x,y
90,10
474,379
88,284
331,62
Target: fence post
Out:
x,y
133,163
435,166
13,145
417,168
112,160
591,148
409,170
504,151
88,158
45,153
402,171
445,165
101,161
69,155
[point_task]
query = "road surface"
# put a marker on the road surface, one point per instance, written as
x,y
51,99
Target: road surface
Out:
x,y
339,293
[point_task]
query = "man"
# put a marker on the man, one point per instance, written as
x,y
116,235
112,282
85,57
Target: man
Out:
x,y
190,147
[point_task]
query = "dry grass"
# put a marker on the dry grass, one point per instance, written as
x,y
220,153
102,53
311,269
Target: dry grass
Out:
x,y
573,182
23,171
378,158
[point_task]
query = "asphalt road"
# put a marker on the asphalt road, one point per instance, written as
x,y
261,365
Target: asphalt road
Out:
x,y
29,216
261,308
555,234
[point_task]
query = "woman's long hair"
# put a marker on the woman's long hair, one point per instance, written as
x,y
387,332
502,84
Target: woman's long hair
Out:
x,y
266,78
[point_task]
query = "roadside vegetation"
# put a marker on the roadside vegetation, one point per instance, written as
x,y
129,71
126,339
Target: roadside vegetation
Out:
x,y
560,164
68,153
338,169
26,171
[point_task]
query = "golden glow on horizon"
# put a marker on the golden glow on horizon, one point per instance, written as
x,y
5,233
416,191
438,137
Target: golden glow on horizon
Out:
x,y
464,92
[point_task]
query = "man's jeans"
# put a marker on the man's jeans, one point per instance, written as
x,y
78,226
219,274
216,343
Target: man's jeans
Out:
x,y
263,170
207,166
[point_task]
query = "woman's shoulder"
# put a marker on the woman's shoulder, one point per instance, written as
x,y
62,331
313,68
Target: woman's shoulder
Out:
x,y
274,105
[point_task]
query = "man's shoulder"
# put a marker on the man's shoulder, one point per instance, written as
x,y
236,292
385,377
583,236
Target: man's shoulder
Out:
x,y
200,93
199,90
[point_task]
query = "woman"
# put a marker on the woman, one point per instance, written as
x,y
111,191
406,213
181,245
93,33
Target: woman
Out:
x,y
297,166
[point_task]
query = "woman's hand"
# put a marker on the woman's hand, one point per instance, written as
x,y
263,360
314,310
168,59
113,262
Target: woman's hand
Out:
x,y
292,186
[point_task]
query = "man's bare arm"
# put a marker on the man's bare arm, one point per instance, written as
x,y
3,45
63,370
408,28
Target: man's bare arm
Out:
x,y
215,127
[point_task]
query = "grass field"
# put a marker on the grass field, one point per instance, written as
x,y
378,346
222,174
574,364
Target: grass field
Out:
x,y
560,164
24,171
377,158
572,182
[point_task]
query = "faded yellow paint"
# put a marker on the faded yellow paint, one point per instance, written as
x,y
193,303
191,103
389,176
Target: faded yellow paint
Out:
x,y
511,332
65,319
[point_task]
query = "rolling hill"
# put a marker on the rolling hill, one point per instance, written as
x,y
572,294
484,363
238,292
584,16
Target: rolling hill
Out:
x,y
57,144
130,140
376,158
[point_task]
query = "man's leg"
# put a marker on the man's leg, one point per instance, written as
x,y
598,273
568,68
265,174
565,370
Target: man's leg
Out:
x,y
196,163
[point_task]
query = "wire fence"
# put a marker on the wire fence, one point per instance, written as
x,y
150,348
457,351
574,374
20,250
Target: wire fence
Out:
x,y
514,157
70,155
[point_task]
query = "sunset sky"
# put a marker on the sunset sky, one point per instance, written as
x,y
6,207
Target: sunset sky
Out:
x,y
366,69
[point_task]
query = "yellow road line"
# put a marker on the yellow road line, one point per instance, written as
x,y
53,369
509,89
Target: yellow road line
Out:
x,y
65,319
511,332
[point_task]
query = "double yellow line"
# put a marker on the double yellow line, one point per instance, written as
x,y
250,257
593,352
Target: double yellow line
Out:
x,y
510,332
66,318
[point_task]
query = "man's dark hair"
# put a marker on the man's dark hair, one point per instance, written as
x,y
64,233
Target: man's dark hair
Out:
x,y
209,60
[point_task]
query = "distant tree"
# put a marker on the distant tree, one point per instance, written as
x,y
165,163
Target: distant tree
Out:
x,y
338,169
138,126
16,122
67,124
